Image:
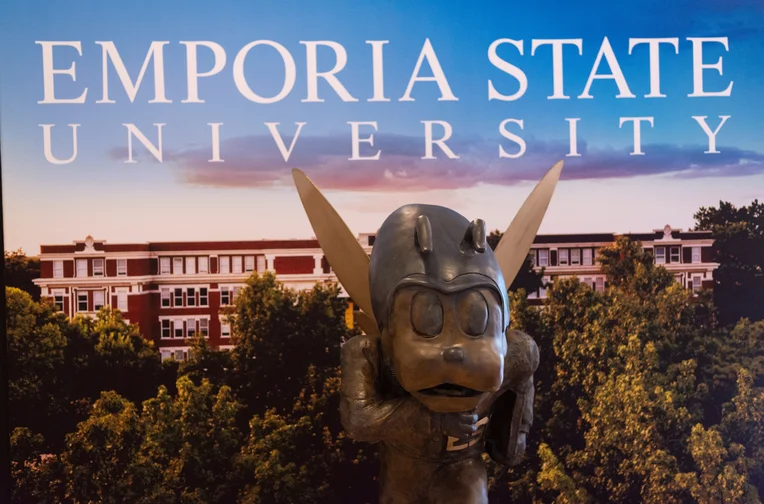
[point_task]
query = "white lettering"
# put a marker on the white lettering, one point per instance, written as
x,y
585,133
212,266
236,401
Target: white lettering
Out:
x,y
655,65
698,66
215,142
711,134
341,59
49,150
290,72
49,73
155,151
607,51
377,67
511,136
557,46
285,153
156,51
637,121
440,142
357,140
192,67
437,75
573,134
507,68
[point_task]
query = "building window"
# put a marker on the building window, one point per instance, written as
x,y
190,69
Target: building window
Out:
x,y
575,256
237,264
190,328
165,298
532,258
588,257
544,257
236,292
190,265
204,327
260,263
203,298
679,279
204,264
563,257
166,355
178,328
249,264
696,254
97,300
180,355
588,281
177,265
166,331
190,296
660,255
696,282
599,284
82,302
122,300
675,255
225,330
97,267
58,299
178,297
121,267
82,267
58,269
225,264
164,265
225,296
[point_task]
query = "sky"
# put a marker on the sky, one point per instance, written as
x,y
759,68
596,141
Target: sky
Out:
x,y
249,195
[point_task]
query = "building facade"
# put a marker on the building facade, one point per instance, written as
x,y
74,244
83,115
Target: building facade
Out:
x,y
175,290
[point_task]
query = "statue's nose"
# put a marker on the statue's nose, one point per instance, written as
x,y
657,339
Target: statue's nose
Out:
x,y
453,354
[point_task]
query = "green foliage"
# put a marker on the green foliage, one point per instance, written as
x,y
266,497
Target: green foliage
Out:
x,y
21,271
739,248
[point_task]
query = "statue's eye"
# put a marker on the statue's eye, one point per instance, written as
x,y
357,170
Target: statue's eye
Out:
x,y
427,314
472,312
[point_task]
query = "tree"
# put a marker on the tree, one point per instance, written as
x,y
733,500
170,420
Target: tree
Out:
x,y
20,271
279,334
527,278
739,248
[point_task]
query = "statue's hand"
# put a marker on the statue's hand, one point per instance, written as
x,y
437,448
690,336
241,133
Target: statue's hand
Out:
x,y
459,425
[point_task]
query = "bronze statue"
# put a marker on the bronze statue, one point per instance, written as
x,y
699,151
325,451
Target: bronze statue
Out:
x,y
438,378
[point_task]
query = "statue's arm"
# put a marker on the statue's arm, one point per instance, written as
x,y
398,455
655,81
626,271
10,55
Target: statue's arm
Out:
x,y
365,414
513,412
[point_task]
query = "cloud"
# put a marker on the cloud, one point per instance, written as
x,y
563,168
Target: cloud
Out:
x,y
255,161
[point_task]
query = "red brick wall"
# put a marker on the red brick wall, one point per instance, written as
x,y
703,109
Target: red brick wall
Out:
x,y
46,269
294,265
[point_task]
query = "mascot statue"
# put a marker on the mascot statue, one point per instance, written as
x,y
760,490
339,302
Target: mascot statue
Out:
x,y
438,378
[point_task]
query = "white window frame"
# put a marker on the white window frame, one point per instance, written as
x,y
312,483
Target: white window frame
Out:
x,y
190,265
79,271
599,284
177,265
677,256
175,297
225,330
236,265
563,253
697,283
204,296
204,327
98,295
543,257
190,328
261,263
190,296
162,328
225,290
660,258
224,264
98,267
121,267
165,293
165,266
122,299
696,255
575,257
177,327
87,301
587,257
55,293
204,264
58,269
249,264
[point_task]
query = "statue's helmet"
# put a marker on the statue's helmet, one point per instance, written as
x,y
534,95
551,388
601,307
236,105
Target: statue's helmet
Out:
x,y
435,247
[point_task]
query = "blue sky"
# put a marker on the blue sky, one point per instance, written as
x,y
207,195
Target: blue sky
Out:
x,y
249,196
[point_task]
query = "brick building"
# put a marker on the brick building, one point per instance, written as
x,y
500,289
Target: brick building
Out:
x,y
174,290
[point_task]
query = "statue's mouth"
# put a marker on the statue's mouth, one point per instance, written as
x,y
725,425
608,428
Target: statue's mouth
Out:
x,y
450,390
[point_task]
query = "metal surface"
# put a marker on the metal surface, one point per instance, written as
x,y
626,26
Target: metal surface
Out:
x,y
438,379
